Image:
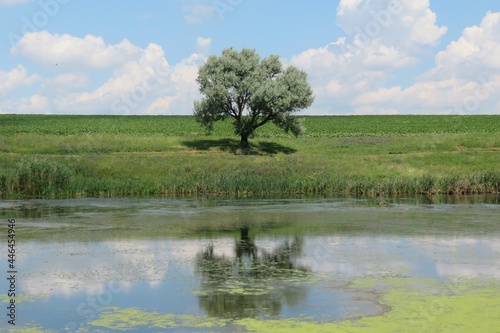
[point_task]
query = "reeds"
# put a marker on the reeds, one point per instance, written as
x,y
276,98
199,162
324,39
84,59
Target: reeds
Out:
x,y
50,178
36,177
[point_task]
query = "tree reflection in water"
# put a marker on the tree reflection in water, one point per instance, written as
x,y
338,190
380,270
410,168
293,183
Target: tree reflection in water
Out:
x,y
253,283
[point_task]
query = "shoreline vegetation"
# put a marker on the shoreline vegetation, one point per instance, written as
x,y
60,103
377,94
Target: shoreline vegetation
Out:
x,y
130,156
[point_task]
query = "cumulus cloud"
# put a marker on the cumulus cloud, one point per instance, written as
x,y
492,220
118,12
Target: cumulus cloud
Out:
x,y
383,36
74,52
131,78
465,79
347,6
352,74
15,78
35,104
140,81
180,90
476,52
391,22
451,96
203,44
64,84
387,36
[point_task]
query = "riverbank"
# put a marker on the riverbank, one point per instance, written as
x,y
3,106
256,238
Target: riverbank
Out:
x,y
63,156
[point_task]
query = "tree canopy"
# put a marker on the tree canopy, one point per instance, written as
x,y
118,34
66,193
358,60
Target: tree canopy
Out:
x,y
251,91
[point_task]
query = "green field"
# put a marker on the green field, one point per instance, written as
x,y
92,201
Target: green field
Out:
x,y
317,126
77,156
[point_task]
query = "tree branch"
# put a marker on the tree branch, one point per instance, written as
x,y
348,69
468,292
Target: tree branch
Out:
x,y
263,122
232,112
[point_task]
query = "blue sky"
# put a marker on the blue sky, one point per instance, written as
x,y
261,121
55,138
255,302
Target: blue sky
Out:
x,y
141,57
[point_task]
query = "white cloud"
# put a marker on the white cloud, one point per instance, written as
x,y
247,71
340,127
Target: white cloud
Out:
x,y
347,6
465,79
15,78
134,82
141,81
383,37
64,84
35,104
425,94
391,22
182,88
476,52
162,104
73,52
452,96
350,75
203,44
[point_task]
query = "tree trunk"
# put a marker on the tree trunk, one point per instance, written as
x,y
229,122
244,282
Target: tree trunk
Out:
x,y
244,141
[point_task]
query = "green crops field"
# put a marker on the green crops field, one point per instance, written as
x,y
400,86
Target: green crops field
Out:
x,y
105,156
317,126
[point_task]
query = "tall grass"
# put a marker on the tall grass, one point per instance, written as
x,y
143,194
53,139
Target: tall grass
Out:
x,y
38,177
46,178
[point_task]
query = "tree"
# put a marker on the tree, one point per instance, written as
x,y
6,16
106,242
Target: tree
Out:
x,y
252,91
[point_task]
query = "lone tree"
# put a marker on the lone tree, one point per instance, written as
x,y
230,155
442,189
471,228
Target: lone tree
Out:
x,y
251,91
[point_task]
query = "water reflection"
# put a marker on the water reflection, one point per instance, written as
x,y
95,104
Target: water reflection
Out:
x,y
241,258
254,282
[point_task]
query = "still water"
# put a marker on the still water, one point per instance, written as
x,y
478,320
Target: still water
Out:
x,y
207,265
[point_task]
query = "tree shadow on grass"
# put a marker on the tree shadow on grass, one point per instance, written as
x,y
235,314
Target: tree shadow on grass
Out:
x,y
272,148
233,146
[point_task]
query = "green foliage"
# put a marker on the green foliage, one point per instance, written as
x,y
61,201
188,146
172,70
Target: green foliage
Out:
x,y
251,91
38,177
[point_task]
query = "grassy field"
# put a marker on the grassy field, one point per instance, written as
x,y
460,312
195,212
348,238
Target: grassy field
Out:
x,y
76,156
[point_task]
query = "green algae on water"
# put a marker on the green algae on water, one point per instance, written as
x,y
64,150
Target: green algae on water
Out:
x,y
122,319
415,306
21,298
28,330
467,306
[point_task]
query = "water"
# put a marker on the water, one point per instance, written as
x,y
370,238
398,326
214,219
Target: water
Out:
x,y
188,265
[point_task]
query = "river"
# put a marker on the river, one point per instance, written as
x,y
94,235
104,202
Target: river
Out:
x,y
224,265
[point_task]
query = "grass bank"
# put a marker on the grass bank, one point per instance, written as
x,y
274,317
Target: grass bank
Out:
x,y
79,156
